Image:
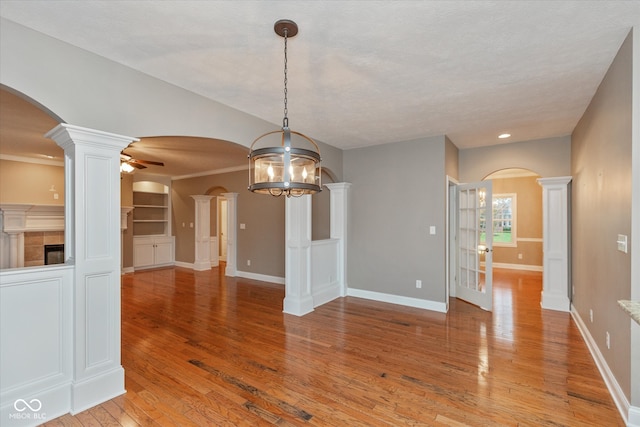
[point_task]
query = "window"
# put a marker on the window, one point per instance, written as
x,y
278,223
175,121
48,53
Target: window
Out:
x,y
504,220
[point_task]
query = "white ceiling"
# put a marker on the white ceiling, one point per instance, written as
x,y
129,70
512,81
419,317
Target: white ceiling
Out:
x,y
363,72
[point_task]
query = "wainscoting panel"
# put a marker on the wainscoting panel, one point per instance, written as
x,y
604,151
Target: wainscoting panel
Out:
x,y
325,284
36,307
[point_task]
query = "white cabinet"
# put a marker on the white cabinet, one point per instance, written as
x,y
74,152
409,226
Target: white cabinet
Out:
x,y
152,251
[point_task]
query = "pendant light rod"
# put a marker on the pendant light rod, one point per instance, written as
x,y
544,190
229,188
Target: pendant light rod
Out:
x,y
285,28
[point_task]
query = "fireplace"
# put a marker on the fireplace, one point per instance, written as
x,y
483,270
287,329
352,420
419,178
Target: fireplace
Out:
x,y
53,254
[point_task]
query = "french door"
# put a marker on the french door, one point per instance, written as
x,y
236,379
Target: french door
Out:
x,y
475,240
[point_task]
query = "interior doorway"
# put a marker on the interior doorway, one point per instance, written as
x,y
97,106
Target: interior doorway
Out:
x,y
223,227
516,218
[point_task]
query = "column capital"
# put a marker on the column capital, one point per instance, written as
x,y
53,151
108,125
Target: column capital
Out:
x,y
202,198
67,136
338,186
559,180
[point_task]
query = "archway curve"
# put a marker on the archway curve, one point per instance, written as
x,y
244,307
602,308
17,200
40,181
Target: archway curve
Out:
x,y
215,191
514,172
25,122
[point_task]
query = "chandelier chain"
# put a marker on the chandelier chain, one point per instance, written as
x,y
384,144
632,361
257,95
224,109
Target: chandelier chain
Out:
x,y
285,121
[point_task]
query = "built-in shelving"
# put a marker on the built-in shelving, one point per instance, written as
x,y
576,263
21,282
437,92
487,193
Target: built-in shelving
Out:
x,y
153,244
151,213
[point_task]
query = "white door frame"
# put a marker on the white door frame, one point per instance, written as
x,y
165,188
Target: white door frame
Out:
x,y
451,225
221,200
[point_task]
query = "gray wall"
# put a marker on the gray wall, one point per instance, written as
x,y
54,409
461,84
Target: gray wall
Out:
x,y
549,157
451,159
398,191
601,204
262,241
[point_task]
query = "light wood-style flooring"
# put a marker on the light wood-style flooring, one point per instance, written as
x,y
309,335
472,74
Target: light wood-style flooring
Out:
x,y
200,349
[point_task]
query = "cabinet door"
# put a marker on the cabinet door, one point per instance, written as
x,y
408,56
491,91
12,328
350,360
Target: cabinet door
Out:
x,y
163,253
143,254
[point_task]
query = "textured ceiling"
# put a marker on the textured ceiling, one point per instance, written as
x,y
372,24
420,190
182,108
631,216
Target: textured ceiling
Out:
x,y
365,72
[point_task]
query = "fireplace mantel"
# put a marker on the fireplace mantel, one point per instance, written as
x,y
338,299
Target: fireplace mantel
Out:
x,y
22,218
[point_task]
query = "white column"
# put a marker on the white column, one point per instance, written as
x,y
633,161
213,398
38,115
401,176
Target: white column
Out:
x,y
124,213
232,234
339,214
298,299
203,233
92,244
14,223
555,224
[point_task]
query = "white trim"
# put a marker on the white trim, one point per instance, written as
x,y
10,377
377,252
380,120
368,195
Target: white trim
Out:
x,y
188,265
525,267
128,270
49,162
398,299
530,239
326,294
260,277
211,172
609,379
93,391
634,417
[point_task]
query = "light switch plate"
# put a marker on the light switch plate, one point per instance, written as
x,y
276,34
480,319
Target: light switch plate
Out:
x,y
622,243
432,229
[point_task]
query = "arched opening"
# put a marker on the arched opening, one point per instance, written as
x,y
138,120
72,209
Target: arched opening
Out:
x,y
517,219
31,183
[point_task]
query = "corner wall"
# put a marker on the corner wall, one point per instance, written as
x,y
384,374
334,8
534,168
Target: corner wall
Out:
x,y
601,209
398,192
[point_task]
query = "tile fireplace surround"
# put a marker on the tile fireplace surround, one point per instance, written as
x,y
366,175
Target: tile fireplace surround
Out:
x,y
34,242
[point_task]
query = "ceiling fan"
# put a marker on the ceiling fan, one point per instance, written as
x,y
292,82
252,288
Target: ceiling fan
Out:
x,y
128,164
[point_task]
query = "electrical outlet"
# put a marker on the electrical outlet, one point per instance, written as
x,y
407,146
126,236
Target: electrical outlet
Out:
x,y
248,262
519,256
608,341
591,315
418,284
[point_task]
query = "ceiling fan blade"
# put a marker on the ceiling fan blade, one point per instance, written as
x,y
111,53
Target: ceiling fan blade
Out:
x,y
147,162
137,165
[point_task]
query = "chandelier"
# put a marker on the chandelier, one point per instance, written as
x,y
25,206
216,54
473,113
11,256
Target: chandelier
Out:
x,y
282,167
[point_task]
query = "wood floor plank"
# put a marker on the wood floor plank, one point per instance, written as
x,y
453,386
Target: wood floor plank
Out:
x,y
202,349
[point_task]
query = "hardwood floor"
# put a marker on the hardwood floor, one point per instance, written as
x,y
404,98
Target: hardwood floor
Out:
x,y
201,349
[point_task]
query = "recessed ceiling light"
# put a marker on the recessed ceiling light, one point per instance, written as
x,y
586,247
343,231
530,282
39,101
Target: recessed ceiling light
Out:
x,y
504,135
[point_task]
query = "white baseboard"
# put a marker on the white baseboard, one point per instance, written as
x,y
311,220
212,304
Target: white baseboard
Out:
x,y
328,293
48,404
96,390
634,417
188,265
524,267
397,299
260,277
609,379
128,270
